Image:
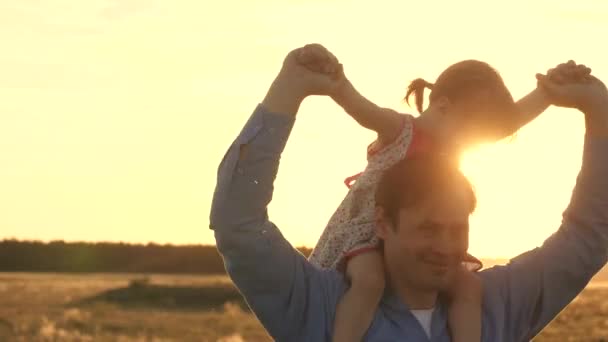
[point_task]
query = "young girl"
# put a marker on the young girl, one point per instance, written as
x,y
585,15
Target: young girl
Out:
x,y
469,104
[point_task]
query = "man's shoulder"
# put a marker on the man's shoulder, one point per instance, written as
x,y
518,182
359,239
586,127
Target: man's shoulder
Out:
x,y
333,280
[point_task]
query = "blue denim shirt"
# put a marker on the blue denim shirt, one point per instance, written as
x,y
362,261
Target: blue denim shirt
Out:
x,y
296,301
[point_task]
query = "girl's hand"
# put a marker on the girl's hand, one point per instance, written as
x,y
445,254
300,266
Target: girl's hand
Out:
x,y
467,286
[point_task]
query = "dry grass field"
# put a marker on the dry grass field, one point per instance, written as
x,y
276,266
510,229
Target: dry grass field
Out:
x,y
123,307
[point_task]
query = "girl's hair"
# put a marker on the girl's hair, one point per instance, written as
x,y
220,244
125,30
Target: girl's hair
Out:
x,y
465,81
414,180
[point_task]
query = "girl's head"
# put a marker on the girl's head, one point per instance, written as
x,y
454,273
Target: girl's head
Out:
x,y
470,102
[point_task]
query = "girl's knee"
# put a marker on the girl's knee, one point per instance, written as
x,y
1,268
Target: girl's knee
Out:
x,y
366,272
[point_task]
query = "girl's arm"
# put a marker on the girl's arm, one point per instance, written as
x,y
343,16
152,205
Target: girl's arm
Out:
x,y
530,107
533,104
385,121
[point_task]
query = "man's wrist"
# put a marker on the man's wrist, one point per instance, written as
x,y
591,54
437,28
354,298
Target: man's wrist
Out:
x,y
597,126
283,97
596,119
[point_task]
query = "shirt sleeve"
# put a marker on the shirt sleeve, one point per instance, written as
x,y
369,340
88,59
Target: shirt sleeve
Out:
x,y
287,294
535,286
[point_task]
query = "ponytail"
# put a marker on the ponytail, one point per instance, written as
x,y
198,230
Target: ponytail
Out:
x,y
417,88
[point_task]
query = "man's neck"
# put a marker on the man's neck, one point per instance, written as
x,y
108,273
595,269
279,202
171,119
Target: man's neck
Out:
x,y
413,298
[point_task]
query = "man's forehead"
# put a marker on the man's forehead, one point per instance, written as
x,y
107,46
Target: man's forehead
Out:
x,y
456,215
446,213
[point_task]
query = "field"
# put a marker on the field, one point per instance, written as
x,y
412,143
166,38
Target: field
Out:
x,y
126,307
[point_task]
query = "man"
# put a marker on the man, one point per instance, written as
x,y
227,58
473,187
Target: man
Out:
x,y
296,301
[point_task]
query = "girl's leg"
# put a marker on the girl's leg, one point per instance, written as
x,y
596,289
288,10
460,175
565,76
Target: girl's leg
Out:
x,y
356,308
464,312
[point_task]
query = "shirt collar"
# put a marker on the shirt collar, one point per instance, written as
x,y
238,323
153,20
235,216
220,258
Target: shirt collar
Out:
x,y
392,303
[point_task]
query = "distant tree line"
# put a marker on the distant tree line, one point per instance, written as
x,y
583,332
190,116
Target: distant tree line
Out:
x,y
79,257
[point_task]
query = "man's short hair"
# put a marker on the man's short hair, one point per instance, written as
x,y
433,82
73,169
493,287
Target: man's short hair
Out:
x,y
413,180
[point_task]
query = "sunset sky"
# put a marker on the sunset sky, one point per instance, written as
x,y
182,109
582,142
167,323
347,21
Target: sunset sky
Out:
x,y
114,114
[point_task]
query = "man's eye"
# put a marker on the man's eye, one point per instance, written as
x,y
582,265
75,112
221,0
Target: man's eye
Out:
x,y
429,227
460,231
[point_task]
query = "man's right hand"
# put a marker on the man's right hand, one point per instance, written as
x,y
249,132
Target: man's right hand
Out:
x,y
588,94
295,81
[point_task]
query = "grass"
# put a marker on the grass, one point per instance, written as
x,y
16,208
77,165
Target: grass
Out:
x,y
104,307
122,307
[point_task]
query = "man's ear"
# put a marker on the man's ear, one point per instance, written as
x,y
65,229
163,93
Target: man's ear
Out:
x,y
383,224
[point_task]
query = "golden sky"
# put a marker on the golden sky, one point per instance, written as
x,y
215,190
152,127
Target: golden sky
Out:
x,y
114,114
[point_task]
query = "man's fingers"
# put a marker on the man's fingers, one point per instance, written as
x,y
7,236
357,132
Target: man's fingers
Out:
x,y
580,73
339,72
583,70
563,72
564,68
583,67
319,52
556,75
332,58
569,72
313,55
317,58
549,85
303,56
316,67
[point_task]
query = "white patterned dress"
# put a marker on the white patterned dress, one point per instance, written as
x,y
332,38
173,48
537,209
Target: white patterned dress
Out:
x,y
351,229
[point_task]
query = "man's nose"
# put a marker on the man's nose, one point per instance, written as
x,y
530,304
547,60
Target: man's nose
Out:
x,y
445,245
439,258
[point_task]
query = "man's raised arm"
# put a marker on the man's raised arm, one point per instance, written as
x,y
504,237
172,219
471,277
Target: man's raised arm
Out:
x,y
278,283
535,286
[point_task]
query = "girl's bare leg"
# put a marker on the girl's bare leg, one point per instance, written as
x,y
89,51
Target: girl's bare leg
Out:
x,y
356,308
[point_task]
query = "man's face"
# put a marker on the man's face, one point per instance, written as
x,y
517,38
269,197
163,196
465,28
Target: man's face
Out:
x,y
429,241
